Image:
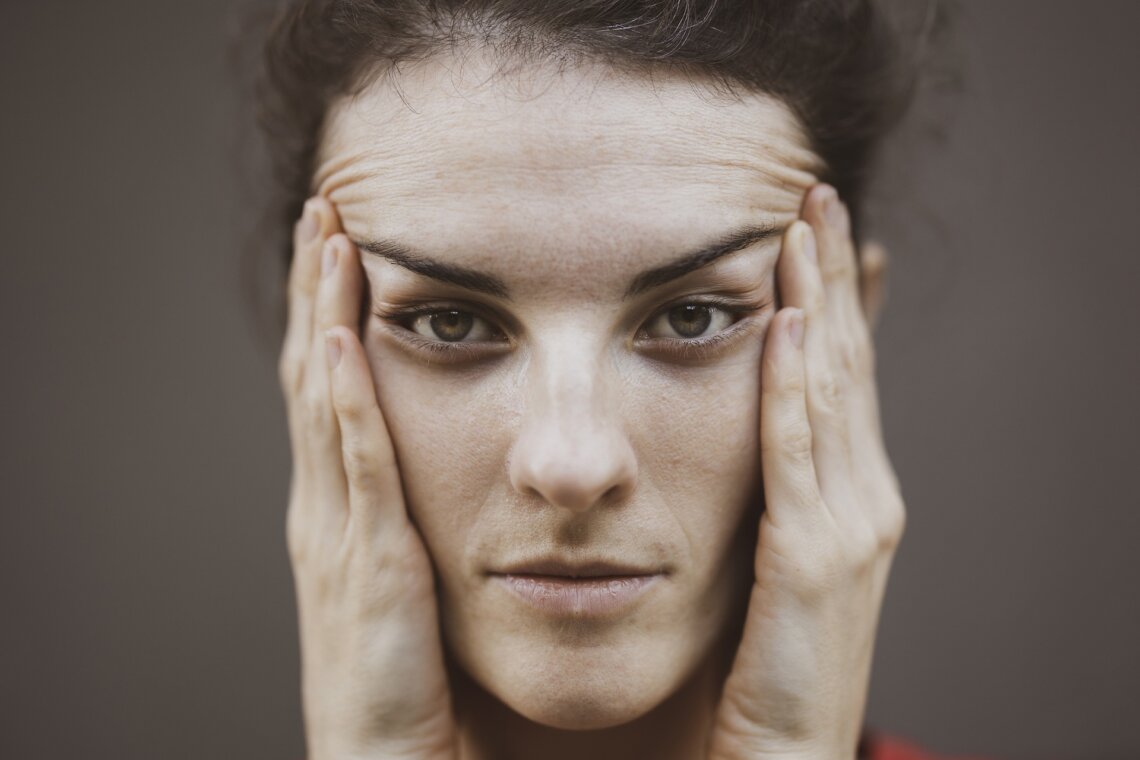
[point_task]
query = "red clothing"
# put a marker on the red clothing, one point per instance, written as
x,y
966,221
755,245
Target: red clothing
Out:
x,y
876,746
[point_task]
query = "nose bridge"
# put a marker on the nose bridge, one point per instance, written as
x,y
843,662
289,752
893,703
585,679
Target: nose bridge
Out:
x,y
570,382
571,449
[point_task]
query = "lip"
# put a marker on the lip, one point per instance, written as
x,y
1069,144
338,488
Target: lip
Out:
x,y
554,566
594,589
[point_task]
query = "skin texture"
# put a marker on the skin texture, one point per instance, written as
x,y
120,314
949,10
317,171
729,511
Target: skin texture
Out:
x,y
576,428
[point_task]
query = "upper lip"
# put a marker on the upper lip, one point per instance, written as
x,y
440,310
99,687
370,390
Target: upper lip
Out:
x,y
574,568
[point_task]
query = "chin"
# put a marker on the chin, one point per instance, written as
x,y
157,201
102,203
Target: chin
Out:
x,y
578,677
586,700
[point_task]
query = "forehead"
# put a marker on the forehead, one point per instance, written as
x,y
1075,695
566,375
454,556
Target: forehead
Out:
x,y
455,151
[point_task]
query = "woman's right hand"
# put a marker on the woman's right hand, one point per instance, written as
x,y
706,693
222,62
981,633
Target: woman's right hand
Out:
x,y
373,678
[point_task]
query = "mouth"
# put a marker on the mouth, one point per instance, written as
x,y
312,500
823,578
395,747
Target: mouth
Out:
x,y
595,589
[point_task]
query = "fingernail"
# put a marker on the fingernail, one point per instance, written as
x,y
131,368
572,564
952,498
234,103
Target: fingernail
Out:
x,y
310,224
796,328
328,258
332,349
808,242
834,211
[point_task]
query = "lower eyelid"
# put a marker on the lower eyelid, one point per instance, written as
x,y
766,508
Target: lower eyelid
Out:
x,y
438,352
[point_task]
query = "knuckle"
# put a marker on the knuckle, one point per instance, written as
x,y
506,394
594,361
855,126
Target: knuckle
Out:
x,y
837,270
816,307
315,407
790,385
829,398
358,461
300,288
862,547
290,369
781,379
794,441
841,265
349,408
892,526
857,355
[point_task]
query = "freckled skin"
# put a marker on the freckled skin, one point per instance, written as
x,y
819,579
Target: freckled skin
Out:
x,y
575,441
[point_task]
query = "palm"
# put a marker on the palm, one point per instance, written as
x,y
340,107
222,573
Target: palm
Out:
x,y
834,516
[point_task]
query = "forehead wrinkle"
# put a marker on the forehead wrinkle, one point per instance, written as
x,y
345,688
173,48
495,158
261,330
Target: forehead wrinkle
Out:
x,y
617,120
489,223
555,148
376,191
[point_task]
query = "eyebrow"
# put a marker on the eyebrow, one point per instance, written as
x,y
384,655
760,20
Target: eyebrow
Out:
x,y
483,282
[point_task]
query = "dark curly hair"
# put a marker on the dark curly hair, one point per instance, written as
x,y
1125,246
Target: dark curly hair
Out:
x,y
843,67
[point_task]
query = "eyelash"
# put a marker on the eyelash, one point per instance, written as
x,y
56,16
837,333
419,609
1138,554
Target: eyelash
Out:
x,y
685,349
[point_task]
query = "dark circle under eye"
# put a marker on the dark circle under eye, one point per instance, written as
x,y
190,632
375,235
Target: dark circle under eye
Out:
x,y
690,320
451,325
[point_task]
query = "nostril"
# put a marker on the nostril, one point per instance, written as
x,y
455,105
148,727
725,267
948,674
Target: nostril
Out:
x,y
613,494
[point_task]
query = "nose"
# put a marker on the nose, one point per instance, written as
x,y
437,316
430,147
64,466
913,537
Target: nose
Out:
x,y
571,450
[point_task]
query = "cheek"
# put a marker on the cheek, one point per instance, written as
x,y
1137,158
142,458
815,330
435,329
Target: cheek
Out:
x,y
698,444
449,434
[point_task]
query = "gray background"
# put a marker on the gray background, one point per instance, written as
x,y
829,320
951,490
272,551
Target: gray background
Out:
x,y
148,609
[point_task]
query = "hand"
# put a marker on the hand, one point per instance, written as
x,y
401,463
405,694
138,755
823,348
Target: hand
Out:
x,y
834,515
373,677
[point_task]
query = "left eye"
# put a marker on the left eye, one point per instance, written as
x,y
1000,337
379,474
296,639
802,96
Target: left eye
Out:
x,y
687,321
452,326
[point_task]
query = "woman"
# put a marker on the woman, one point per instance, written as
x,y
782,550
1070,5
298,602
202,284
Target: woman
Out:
x,y
579,374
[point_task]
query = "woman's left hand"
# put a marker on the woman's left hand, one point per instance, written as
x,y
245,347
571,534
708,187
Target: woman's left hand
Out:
x,y
834,514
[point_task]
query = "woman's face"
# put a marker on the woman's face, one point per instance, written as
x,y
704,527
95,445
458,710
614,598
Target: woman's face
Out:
x,y
561,381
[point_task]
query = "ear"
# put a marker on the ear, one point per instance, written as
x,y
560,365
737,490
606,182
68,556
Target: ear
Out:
x,y
872,281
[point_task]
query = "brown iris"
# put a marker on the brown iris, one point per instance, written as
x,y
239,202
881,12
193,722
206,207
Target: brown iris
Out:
x,y
690,320
451,325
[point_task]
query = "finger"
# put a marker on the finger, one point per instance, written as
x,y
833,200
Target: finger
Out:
x,y
802,285
308,422
849,327
791,489
318,221
872,494
831,223
340,289
375,493
854,358
873,281
336,303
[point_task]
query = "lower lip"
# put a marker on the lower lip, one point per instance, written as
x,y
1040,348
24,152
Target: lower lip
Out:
x,y
578,597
